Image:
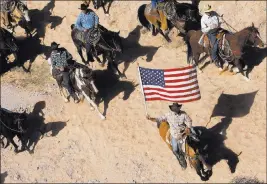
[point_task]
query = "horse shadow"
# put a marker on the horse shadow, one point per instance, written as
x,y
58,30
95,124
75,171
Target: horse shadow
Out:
x,y
41,18
30,48
228,106
37,128
254,56
111,87
3,176
133,50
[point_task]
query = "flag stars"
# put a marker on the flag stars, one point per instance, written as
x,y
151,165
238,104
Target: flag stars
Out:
x,y
152,77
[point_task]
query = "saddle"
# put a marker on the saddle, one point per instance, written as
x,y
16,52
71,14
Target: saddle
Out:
x,y
168,140
204,40
92,36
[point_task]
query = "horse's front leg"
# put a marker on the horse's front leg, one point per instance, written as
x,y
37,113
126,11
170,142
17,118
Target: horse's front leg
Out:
x,y
165,36
109,5
14,144
104,9
239,66
24,144
96,56
154,30
195,62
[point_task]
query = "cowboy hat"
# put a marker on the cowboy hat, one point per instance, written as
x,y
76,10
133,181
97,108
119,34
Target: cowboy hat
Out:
x,y
175,107
83,7
207,8
54,45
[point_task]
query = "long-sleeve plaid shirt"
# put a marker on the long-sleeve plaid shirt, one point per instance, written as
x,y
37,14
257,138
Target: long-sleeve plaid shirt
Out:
x,y
60,57
177,122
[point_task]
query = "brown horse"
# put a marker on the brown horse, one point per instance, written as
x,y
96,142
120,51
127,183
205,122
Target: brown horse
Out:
x,y
19,17
182,16
230,48
195,158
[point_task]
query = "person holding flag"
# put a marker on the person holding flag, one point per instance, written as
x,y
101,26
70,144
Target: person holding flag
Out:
x,y
179,121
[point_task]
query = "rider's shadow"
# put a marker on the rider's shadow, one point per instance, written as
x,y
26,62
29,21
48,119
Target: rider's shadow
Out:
x,y
111,87
41,18
30,48
38,128
3,177
228,106
133,50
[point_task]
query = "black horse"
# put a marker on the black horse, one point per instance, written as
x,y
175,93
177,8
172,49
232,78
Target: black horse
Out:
x,y
14,124
8,45
109,45
183,16
101,3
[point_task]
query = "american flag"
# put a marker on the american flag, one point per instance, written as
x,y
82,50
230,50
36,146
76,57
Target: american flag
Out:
x,y
175,85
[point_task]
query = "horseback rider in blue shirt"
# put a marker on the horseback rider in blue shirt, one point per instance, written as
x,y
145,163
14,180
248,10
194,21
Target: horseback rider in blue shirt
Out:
x,y
86,20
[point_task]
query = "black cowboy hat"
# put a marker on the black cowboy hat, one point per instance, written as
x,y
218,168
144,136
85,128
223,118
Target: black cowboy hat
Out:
x,y
83,7
54,45
175,107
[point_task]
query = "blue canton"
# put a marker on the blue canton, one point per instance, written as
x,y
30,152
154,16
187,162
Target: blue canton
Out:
x,y
152,77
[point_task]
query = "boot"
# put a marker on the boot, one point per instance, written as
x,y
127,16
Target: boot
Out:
x,y
181,158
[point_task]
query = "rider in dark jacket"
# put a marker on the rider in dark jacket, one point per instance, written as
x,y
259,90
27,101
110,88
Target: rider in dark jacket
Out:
x,y
59,60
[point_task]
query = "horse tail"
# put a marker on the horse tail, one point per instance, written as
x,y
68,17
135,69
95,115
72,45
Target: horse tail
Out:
x,y
141,16
189,48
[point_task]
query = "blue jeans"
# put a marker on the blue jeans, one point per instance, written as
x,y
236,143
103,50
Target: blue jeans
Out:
x,y
212,37
153,4
176,147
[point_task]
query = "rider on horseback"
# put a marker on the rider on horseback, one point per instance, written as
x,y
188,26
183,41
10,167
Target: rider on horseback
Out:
x,y
156,11
59,60
86,20
5,8
179,121
210,24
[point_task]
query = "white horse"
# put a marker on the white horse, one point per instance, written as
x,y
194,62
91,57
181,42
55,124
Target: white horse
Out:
x,y
83,84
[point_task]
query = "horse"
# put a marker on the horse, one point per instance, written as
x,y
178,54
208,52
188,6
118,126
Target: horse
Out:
x,y
230,48
183,16
19,16
109,44
193,151
14,124
100,3
8,45
82,80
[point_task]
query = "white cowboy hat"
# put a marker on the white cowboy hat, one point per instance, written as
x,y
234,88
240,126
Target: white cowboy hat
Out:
x,y
207,8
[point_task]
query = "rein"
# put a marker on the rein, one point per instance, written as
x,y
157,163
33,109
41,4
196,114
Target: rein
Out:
x,y
233,54
18,131
109,47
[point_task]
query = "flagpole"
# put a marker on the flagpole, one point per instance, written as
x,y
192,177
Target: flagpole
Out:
x,y
141,85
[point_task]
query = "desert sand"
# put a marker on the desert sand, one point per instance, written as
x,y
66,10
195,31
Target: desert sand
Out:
x,y
126,147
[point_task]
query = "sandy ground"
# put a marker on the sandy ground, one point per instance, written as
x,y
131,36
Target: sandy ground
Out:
x,y
126,147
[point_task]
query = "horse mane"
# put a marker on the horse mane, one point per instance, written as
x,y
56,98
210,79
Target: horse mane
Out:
x,y
251,29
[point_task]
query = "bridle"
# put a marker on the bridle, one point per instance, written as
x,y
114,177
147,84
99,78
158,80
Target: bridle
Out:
x,y
20,129
8,44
